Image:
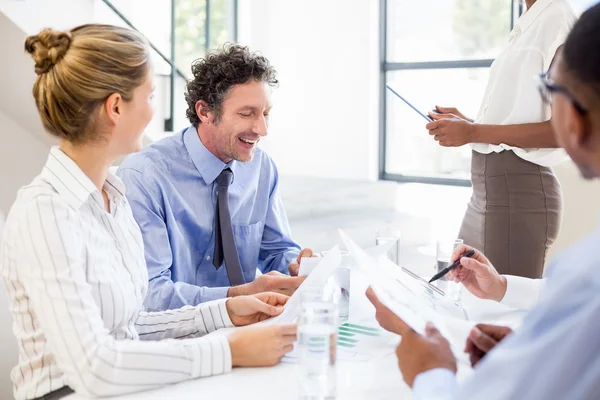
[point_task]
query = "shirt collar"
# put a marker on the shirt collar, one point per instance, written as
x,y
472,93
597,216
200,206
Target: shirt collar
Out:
x,y
73,184
525,21
208,165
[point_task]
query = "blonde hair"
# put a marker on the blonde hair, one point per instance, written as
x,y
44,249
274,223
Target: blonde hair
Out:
x,y
79,69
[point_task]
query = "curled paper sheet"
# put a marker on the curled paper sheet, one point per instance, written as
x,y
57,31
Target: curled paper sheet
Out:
x,y
409,298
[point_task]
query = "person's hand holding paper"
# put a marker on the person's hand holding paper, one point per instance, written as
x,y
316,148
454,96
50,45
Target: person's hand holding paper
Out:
x,y
416,353
294,266
482,339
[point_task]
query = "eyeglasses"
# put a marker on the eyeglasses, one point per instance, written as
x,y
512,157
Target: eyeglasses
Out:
x,y
547,87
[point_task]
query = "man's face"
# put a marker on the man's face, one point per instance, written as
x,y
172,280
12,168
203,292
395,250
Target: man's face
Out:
x,y
569,125
244,121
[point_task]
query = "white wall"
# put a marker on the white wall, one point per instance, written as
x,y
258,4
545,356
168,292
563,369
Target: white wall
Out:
x,y
22,156
581,206
325,117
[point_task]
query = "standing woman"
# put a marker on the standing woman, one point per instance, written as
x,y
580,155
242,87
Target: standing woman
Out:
x,y
72,256
514,214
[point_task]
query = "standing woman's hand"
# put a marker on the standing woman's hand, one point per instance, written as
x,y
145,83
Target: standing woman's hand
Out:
x,y
447,112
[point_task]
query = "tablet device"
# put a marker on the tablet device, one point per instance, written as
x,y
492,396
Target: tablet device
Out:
x,y
427,117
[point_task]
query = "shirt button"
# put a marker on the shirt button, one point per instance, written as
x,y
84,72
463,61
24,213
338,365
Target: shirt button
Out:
x,y
207,258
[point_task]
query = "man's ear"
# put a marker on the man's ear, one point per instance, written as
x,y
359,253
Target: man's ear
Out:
x,y
204,112
580,132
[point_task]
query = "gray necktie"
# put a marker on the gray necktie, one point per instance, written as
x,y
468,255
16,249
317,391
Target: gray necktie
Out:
x,y
224,240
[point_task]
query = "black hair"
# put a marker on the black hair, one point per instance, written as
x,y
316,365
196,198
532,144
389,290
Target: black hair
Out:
x,y
581,51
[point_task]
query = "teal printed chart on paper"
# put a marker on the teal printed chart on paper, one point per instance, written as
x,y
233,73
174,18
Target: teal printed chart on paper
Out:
x,y
350,335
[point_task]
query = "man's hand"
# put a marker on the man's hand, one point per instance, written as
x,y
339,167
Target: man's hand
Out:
x,y
294,266
477,274
418,354
386,318
451,130
484,338
246,310
270,282
261,346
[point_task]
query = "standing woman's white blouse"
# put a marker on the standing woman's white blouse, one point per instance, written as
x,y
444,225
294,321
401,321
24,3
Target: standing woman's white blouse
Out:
x,y
512,96
76,278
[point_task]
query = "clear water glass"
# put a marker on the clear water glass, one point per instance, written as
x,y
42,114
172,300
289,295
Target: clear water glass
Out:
x,y
317,342
444,250
389,235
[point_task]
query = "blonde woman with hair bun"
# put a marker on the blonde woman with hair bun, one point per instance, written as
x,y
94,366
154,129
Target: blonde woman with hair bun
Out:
x,y
72,256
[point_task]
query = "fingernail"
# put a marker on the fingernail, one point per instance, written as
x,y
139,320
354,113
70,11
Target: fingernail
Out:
x,y
429,325
475,333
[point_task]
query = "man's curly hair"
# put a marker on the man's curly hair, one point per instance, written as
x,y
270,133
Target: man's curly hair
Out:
x,y
219,71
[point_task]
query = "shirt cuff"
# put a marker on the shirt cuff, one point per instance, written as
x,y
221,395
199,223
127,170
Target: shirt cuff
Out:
x,y
435,384
212,316
213,293
521,293
211,356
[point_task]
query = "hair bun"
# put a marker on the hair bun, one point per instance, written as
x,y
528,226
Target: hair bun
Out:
x,y
47,48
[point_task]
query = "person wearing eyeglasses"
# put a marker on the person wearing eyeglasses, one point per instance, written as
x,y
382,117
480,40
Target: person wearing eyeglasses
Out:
x,y
515,210
555,352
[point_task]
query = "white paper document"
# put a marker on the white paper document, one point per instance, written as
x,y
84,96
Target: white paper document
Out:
x,y
317,278
410,298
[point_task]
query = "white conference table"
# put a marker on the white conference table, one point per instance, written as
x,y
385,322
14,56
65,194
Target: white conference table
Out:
x,y
378,378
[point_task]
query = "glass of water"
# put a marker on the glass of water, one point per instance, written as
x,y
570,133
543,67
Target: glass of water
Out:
x,y
389,235
317,342
444,250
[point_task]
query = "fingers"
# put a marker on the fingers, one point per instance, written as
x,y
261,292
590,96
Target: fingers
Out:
x,y
473,265
285,282
431,330
294,268
463,248
288,348
435,125
481,340
266,308
439,116
496,332
475,355
285,292
460,250
372,297
288,329
273,298
304,253
447,110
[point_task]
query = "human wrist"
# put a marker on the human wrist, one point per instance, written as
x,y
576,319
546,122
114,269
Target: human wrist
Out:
x,y
500,289
234,344
235,291
477,133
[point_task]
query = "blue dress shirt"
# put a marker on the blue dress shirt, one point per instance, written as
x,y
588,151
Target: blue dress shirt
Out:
x,y
555,354
172,191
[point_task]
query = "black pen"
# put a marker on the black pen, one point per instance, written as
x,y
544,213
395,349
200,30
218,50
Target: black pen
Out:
x,y
449,268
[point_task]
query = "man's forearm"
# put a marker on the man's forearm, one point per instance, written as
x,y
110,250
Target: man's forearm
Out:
x,y
535,135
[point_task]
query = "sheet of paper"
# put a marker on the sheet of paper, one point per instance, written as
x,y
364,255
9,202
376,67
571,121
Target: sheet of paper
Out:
x,y
357,342
408,297
317,278
308,265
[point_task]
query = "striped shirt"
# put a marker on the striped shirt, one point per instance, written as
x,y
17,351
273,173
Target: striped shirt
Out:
x,y
76,280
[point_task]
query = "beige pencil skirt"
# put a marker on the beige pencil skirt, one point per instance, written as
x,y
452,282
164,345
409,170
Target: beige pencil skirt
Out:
x,y
514,214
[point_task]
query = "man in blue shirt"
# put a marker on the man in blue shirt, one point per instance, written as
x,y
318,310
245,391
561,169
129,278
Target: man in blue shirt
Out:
x,y
207,199
555,354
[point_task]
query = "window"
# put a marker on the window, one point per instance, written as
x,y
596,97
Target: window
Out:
x,y
202,25
435,52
